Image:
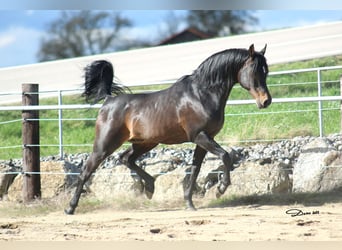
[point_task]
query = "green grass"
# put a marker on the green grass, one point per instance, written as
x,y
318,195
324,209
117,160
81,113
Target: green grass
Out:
x,y
238,126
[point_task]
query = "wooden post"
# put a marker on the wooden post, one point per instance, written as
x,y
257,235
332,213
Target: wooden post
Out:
x,y
31,151
341,104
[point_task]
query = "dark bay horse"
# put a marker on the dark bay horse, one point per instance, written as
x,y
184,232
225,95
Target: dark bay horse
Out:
x,y
191,110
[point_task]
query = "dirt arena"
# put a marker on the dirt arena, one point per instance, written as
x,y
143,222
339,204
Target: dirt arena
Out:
x,y
236,223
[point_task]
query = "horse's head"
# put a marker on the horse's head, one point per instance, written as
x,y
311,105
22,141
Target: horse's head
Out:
x,y
252,76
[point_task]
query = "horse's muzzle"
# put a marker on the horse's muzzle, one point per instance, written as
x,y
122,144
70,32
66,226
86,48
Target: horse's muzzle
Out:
x,y
264,102
267,102
262,97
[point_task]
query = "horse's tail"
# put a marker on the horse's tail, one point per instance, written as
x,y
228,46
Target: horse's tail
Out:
x,y
99,81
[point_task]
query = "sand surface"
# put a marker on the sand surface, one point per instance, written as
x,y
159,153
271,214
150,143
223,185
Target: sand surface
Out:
x,y
242,223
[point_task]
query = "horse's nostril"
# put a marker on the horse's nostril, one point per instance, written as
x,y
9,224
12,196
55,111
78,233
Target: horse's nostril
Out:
x,y
266,103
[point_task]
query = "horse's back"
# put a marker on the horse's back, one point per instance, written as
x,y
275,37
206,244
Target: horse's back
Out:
x,y
169,116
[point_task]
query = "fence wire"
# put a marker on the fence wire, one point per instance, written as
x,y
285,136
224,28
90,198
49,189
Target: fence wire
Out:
x,y
218,173
222,142
319,82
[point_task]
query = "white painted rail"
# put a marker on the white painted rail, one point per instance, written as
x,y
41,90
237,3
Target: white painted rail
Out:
x,y
229,102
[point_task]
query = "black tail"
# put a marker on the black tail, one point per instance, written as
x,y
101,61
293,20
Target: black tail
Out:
x,y
99,76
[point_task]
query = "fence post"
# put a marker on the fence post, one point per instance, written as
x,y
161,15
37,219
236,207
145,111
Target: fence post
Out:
x,y
341,103
320,103
60,124
31,150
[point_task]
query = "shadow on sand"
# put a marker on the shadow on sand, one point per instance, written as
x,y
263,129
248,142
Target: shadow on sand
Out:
x,y
305,199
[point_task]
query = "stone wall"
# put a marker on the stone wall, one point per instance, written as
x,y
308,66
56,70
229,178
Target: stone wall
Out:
x,y
303,164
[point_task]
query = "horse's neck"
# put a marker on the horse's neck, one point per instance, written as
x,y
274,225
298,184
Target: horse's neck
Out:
x,y
215,97
219,83
222,90
216,83
228,86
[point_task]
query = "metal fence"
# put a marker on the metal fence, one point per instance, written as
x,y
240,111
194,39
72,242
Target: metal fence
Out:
x,y
319,99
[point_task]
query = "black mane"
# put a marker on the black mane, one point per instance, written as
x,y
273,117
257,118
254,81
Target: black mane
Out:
x,y
221,68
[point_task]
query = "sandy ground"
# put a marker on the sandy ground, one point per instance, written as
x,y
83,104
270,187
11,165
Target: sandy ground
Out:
x,y
242,223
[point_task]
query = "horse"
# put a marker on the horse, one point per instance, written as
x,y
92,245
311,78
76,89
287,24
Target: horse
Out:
x,y
190,110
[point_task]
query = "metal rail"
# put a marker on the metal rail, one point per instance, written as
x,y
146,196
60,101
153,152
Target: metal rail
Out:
x,y
319,99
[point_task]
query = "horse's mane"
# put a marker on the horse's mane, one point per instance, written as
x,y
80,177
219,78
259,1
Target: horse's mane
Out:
x,y
221,67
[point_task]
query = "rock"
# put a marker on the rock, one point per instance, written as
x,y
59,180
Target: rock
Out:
x,y
7,175
260,168
254,178
51,184
249,178
72,170
332,177
108,183
169,186
318,168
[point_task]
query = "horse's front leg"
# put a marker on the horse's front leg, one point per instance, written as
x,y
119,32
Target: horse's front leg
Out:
x,y
206,142
198,157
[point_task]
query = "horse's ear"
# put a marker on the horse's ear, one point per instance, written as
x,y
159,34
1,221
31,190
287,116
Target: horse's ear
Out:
x,y
251,50
263,50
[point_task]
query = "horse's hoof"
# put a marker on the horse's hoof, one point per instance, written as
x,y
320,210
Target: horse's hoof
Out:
x,y
221,189
218,194
148,194
191,208
69,211
149,190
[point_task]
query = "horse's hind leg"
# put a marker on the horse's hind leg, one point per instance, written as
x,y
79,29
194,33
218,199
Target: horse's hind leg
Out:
x,y
106,142
91,165
130,156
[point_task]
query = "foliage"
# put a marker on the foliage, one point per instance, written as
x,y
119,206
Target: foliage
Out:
x,y
221,22
81,33
89,32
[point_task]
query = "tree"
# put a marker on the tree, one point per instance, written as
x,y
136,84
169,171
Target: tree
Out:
x,y
81,33
221,22
171,25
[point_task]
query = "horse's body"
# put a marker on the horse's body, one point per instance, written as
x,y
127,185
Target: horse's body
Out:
x,y
191,110
169,116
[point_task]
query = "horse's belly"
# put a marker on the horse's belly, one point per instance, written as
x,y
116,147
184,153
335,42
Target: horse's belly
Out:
x,y
159,133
